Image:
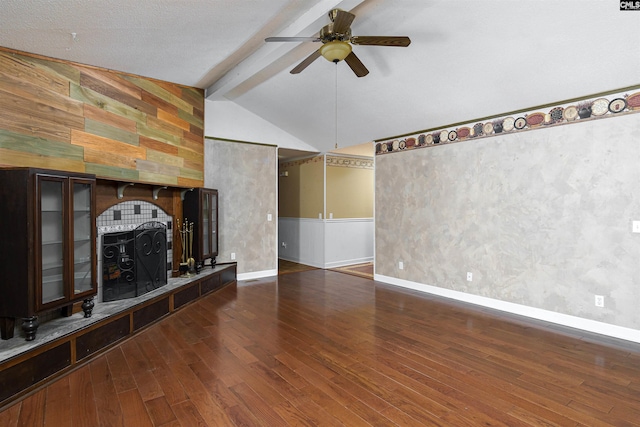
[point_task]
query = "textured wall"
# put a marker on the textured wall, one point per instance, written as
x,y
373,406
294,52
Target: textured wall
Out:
x,y
71,117
541,218
245,176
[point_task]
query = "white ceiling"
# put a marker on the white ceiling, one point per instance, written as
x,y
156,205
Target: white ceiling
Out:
x,y
468,58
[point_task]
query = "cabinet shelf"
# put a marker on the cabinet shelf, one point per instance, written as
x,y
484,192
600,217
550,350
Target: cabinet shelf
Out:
x,y
54,278
52,265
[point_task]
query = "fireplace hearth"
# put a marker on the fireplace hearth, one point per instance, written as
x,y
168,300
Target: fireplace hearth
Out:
x,y
134,262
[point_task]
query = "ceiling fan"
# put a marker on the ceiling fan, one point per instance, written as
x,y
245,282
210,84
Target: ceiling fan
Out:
x,y
336,41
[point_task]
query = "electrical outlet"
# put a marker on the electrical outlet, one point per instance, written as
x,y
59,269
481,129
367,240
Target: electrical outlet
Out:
x,y
233,256
635,228
401,265
269,217
599,301
469,276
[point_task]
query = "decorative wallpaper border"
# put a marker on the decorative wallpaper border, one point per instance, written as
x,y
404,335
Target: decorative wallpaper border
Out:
x,y
314,159
349,162
588,109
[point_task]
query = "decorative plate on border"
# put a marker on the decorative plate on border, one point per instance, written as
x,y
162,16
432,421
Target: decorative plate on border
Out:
x,y
557,114
570,113
487,128
600,107
396,144
633,101
477,129
421,140
444,136
535,119
617,105
520,123
452,135
428,139
403,144
411,142
508,124
436,137
463,132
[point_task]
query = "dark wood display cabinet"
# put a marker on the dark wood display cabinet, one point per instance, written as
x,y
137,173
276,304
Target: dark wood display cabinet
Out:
x,y
47,245
200,206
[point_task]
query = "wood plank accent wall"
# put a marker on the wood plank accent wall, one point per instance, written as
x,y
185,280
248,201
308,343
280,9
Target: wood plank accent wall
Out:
x,y
66,116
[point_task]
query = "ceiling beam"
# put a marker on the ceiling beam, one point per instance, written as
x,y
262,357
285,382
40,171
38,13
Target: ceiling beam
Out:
x,y
272,58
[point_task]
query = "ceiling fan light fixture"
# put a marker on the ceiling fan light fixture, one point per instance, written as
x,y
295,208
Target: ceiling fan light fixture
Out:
x,y
335,51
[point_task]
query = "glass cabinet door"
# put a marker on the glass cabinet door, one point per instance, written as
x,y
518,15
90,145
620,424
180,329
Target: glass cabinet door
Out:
x,y
82,237
206,225
214,224
52,239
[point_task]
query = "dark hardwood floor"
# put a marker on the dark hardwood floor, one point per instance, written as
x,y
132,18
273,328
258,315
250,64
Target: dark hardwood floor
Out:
x,y
325,348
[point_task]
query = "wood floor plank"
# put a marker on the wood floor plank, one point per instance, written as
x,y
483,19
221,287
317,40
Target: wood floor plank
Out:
x,y
260,409
58,404
141,369
213,414
121,375
108,409
84,412
320,347
292,415
134,412
32,410
188,414
9,417
160,411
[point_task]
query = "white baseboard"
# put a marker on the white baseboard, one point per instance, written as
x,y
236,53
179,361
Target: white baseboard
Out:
x,y
257,274
521,310
342,263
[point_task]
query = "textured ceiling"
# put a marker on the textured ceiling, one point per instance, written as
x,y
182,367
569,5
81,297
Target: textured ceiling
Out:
x,y
467,59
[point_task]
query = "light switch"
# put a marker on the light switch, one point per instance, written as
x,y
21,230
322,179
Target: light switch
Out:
x,y
269,217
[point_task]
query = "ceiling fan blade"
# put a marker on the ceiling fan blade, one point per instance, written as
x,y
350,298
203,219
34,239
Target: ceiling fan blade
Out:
x,y
342,21
292,39
306,62
397,41
356,65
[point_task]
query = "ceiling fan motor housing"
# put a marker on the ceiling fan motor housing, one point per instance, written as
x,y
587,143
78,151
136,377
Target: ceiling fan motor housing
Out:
x,y
328,35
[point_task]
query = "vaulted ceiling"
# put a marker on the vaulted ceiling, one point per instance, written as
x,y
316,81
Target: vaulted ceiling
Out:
x,y
467,59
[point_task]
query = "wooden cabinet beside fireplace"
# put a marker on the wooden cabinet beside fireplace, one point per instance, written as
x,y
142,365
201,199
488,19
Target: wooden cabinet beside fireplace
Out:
x,y
47,245
200,206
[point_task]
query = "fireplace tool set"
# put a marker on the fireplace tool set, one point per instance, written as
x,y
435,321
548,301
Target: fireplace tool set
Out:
x,y
187,262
